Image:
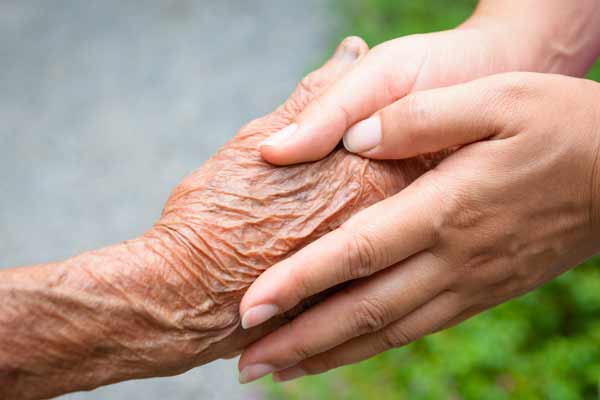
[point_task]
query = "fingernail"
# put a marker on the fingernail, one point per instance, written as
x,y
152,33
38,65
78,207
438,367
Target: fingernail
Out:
x,y
349,49
258,314
254,371
279,137
363,136
288,374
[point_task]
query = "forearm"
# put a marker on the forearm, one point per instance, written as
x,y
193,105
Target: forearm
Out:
x,y
546,35
109,315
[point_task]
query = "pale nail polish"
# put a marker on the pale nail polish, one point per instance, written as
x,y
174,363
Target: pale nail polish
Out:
x,y
288,374
254,371
364,135
258,314
280,137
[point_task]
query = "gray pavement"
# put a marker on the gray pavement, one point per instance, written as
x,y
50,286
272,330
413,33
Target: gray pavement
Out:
x,y
105,105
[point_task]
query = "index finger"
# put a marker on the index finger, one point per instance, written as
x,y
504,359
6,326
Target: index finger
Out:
x,y
379,236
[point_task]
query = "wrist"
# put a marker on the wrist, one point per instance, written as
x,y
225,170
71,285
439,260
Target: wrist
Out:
x,y
563,40
122,312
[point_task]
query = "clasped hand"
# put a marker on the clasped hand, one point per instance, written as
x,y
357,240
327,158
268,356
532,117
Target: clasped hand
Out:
x,y
515,205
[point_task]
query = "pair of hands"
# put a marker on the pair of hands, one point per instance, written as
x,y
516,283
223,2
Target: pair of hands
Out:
x,y
516,204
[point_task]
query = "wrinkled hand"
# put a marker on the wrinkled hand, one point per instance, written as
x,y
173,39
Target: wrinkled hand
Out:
x,y
168,301
238,215
514,207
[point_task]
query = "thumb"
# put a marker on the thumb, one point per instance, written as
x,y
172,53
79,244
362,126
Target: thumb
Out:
x,y
360,92
346,56
433,120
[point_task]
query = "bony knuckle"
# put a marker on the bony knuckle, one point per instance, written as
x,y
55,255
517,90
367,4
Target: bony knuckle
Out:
x,y
301,352
370,316
448,201
361,255
313,85
395,337
512,97
457,211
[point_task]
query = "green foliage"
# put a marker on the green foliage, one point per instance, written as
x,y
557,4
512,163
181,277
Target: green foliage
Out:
x,y
380,20
541,345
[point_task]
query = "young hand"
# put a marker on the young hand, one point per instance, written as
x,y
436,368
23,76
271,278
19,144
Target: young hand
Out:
x,y
516,205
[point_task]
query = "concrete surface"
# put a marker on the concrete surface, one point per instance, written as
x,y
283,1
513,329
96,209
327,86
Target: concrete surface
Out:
x,y
105,105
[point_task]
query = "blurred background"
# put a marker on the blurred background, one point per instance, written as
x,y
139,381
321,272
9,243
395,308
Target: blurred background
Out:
x,y
104,106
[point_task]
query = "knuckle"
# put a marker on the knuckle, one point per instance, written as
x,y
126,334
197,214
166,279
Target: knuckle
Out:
x,y
311,85
361,255
456,211
508,95
344,115
444,202
457,207
511,88
302,287
299,350
416,114
370,316
395,337
301,353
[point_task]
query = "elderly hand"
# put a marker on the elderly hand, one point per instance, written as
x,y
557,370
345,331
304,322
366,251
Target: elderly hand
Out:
x,y
168,300
515,206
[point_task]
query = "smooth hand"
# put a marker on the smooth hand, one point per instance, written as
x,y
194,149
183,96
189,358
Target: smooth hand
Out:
x,y
516,205
501,36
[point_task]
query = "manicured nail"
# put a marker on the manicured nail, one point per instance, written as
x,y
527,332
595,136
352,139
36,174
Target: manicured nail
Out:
x,y
280,137
288,374
258,314
254,371
364,135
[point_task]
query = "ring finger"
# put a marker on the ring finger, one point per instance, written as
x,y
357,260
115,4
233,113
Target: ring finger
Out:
x,y
429,318
366,306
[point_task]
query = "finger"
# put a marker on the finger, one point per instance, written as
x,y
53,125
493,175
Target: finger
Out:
x,y
437,119
423,321
367,306
377,237
346,55
366,88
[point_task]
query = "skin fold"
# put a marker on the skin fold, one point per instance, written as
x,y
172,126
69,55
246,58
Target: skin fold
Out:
x,y
168,301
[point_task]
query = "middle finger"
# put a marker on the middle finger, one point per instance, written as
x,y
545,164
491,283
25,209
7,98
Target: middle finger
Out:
x,y
366,306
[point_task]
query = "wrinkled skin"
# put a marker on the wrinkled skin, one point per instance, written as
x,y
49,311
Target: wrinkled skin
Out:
x,y
168,301
237,215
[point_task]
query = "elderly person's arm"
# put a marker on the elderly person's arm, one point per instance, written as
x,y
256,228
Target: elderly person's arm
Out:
x,y
168,301
132,310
